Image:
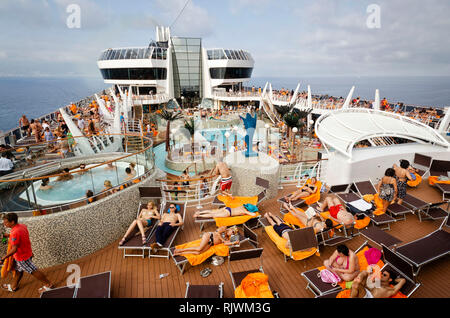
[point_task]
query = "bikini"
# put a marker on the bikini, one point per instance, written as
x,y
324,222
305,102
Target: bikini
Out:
x,y
348,261
334,210
229,210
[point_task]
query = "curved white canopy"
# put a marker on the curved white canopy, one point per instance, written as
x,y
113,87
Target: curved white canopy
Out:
x,y
342,129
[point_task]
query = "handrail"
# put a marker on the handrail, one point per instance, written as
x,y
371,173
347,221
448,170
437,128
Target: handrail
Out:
x,y
95,166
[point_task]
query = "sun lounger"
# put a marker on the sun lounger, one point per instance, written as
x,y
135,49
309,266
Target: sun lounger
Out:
x,y
303,242
204,291
380,237
313,198
427,249
424,162
94,286
378,220
134,242
434,211
317,286
170,240
247,236
347,229
397,264
236,256
396,210
445,189
261,197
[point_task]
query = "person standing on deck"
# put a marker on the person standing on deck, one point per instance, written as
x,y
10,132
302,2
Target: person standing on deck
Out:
x,y
19,239
403,176
227,179
25,125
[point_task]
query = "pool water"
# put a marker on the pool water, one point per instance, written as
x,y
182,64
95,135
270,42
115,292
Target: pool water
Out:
x,y
75,189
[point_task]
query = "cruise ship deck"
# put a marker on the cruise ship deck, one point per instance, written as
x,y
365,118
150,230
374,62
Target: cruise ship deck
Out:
x,y
134,277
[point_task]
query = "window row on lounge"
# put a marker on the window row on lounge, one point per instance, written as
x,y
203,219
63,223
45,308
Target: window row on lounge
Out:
x,y
230,72
155,53
222,54
143,74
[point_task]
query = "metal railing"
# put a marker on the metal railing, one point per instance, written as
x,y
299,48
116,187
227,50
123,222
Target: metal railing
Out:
x,y
297,174
17,185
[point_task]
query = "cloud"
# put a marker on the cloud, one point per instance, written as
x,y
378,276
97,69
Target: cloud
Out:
x,y
254,6
3,55
194,21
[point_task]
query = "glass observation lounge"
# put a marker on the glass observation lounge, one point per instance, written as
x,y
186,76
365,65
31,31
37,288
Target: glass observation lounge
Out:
x,y
222,54
137,53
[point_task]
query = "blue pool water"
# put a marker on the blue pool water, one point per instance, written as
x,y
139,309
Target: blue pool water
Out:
x,y
75,189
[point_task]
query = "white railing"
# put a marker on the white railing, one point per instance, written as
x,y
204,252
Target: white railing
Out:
x,y
297,174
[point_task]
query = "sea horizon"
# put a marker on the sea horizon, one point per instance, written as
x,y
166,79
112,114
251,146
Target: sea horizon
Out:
x,y
36,96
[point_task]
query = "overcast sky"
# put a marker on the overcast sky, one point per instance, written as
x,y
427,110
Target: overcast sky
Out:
x,y
285,37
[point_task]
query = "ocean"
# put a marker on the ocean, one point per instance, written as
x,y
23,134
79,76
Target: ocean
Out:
x,y
35,97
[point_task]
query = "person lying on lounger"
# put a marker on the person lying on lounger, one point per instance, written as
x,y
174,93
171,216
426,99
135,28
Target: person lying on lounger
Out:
x,y
221,236
343,263
144,220
246,209
337,210
304,192
367,287
279,227
315,221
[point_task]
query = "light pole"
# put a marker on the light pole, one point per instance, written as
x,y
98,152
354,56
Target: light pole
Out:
x,y
235,138
294,130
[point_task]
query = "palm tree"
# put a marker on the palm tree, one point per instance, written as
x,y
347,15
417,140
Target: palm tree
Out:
x,y
303,117
169,117
297,118
283,110
190,127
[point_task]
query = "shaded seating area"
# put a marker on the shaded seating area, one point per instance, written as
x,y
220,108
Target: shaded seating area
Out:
x,y
94,286
204,291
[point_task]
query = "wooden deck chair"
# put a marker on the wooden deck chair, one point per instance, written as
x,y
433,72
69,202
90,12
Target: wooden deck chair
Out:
x,y
396,210
246,235
170,240
94,286
445,189
204,291
427,249
424,162
434,211
313,198
133,242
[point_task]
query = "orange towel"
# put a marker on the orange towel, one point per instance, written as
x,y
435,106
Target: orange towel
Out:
x,y
281,244
194,260
416,182
234,220
315,197
360,224
433,180
236,202
347,292
8,265
378,203
254,285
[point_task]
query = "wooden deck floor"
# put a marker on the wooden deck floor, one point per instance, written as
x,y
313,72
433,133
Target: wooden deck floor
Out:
x,y
137,277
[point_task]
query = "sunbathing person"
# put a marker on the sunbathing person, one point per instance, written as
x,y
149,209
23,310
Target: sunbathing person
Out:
x,y
169,222
304,192
282,229
343,263
367,287
226,212
315,221
337,210
143,220
221,236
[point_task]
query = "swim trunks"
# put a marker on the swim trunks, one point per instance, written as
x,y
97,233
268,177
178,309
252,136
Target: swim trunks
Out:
x,y
229,211
401,189
281,229
334,210
225,184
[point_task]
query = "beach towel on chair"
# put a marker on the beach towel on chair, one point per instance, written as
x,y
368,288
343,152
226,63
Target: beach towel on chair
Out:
x,y
315,197
415,183
280,242
194,260
377,201
434,179
254,285
236,202
234,220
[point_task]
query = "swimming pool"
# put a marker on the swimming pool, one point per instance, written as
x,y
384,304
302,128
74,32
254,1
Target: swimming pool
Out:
x,y
75,189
